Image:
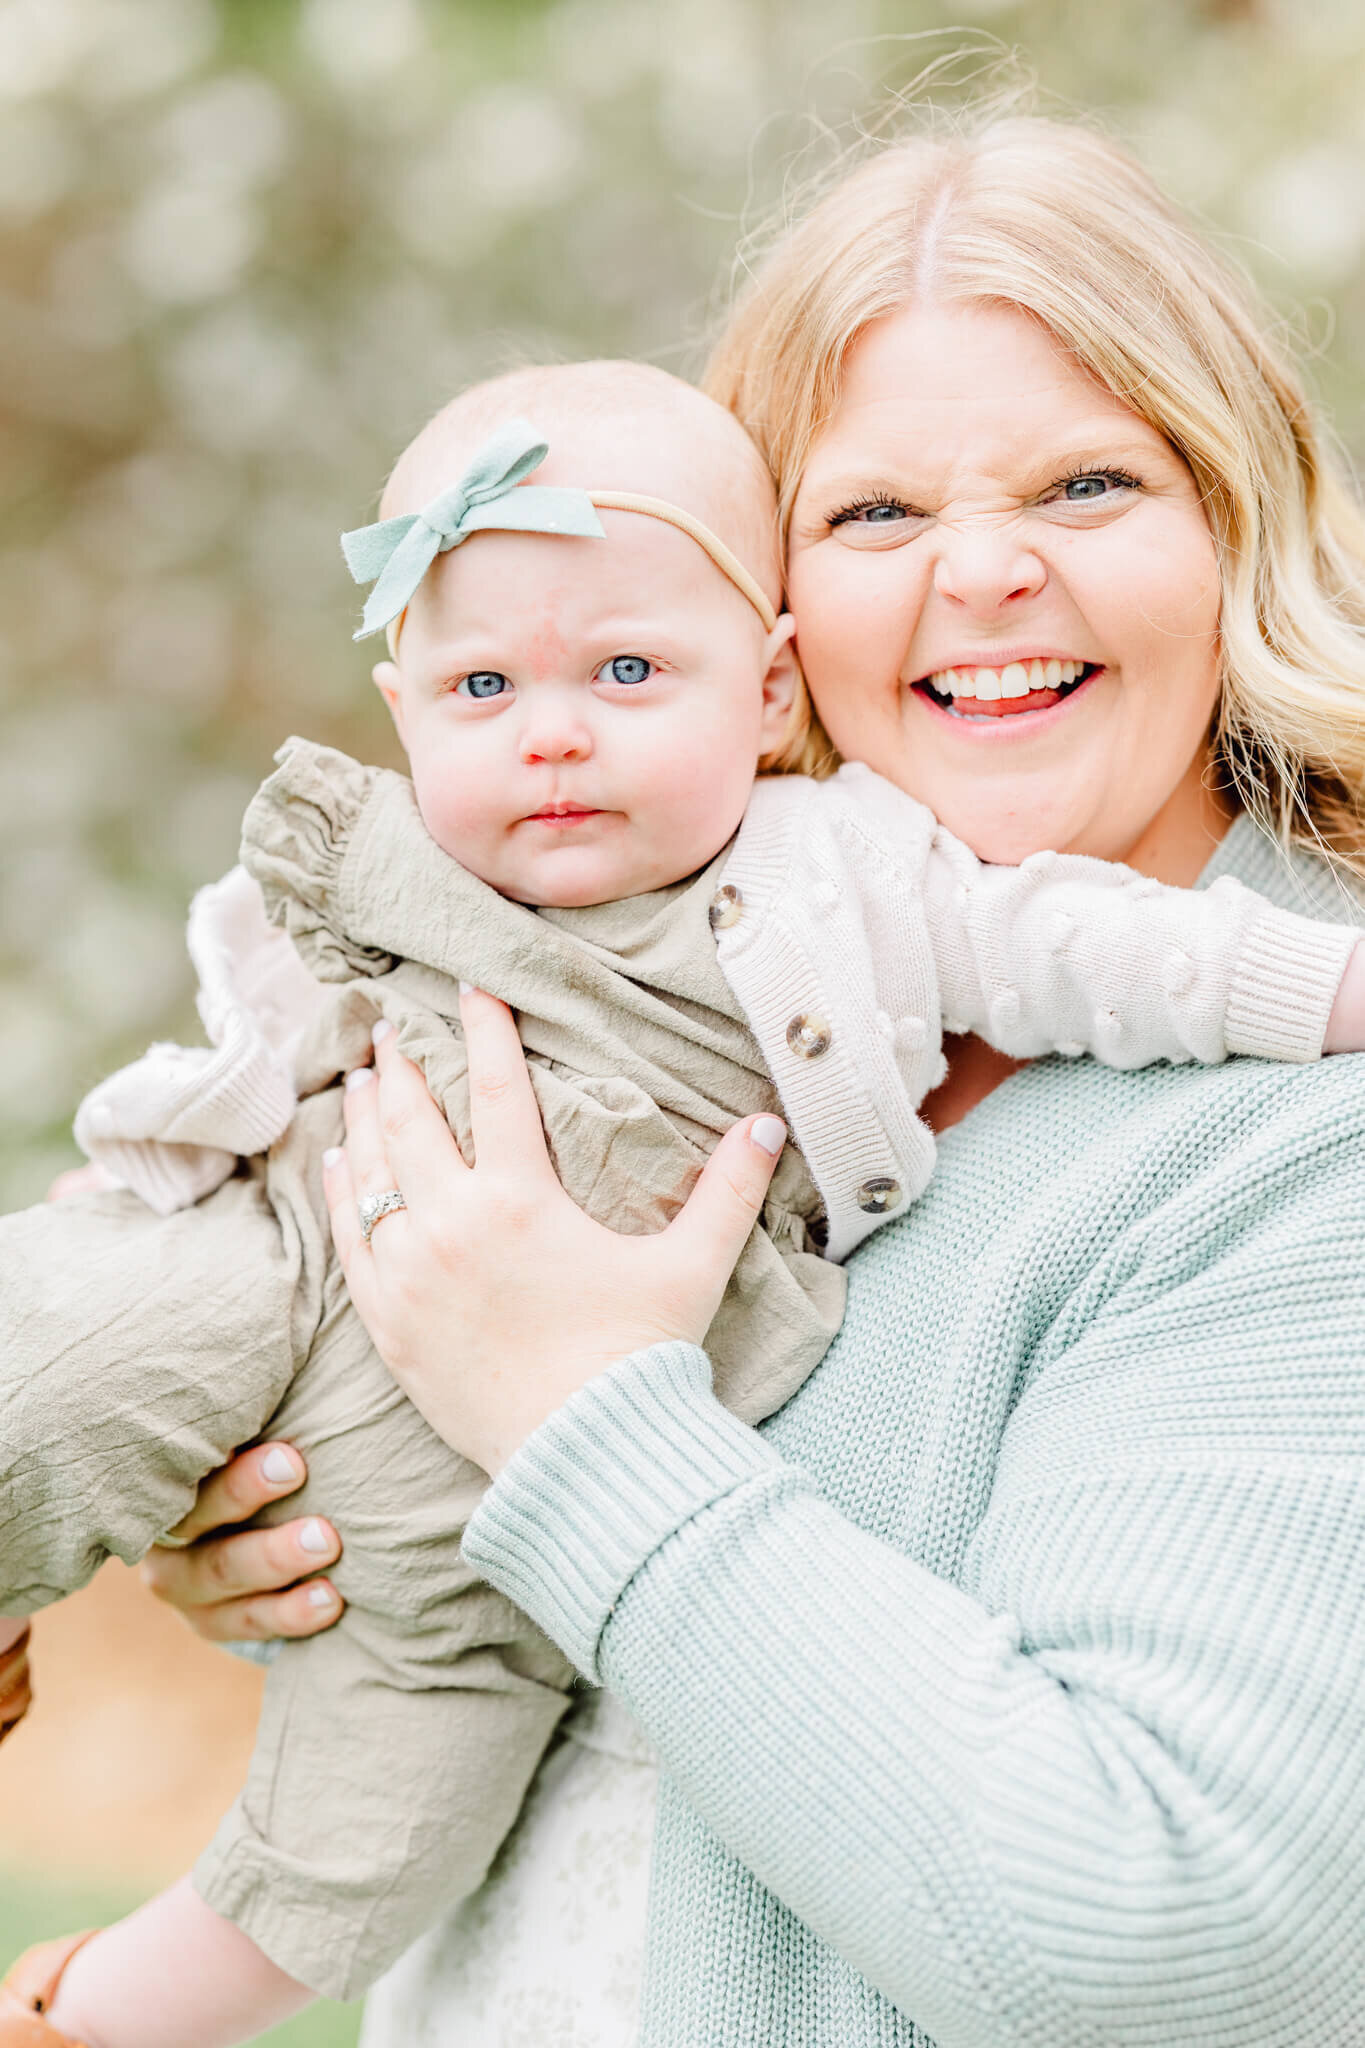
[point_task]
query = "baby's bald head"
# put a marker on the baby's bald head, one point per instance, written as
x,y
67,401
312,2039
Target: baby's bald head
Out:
x,y
611,426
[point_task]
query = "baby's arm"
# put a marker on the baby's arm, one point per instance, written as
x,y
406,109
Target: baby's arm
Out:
x,y
175,1974
1069,954
1346,1025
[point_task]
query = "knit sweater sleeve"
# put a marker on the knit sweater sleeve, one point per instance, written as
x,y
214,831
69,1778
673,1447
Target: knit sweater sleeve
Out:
x,y
1072,955
1105,1787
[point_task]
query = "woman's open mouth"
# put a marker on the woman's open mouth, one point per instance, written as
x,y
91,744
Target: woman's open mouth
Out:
x,y
1006,692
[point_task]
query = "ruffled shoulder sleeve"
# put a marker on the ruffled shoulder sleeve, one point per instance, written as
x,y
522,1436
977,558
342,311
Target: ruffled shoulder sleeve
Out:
x,y
296,835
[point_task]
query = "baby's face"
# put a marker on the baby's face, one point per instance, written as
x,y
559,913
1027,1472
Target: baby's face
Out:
x,y
582,717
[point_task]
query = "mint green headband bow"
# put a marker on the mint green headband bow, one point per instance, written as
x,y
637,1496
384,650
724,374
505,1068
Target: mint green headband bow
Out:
x,y
489,494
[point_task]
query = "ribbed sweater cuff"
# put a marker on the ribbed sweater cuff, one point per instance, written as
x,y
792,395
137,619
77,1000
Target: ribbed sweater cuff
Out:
x,y
591,1495
1284,984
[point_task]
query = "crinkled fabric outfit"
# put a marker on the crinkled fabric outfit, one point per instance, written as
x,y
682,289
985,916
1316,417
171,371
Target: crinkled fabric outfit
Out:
x,y
137,1351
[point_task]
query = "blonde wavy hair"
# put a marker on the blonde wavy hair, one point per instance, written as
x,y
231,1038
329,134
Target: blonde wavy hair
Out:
x,y
1058,220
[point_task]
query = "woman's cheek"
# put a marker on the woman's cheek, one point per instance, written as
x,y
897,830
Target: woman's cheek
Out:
x,y
854,619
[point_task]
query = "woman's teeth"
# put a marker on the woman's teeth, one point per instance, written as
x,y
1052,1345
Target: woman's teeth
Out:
x,y
1016,679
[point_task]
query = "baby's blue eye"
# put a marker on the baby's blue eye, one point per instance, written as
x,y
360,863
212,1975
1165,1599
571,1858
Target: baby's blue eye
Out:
x,y
628,668
485,682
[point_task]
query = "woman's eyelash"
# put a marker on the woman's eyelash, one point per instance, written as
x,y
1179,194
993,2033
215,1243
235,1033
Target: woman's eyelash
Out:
x,y
874,503
1123,477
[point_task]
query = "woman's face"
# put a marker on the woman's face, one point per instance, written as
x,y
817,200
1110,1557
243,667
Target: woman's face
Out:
x,y
1006,594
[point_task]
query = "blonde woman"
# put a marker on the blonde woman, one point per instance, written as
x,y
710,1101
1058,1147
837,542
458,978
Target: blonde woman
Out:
x,y
1008,1683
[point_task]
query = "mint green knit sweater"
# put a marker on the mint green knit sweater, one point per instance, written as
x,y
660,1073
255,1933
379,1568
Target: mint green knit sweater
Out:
x,y
1009,1683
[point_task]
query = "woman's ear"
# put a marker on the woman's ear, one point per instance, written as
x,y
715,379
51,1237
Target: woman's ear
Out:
x,y
782,686
388,682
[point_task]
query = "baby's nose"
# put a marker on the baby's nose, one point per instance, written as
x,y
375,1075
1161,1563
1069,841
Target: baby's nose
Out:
x,y
555,737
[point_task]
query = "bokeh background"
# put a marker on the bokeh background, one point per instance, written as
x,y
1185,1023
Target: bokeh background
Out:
x,y
245,247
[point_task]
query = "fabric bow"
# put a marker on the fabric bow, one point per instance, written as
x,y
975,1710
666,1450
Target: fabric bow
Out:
x,y
489,494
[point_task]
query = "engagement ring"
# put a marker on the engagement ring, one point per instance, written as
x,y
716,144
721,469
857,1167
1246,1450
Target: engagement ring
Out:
x,y
372,1207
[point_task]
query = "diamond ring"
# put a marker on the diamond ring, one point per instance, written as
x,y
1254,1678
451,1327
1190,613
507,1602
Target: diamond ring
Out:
x,y
372,1207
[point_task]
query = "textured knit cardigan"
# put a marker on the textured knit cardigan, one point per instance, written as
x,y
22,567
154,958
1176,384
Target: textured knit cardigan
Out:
x,y
1009,1683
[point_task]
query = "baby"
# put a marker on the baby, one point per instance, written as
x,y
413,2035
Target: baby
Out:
x,y
584,693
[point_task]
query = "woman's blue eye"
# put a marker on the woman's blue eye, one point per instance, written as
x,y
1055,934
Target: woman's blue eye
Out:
x,y
485,682
1097,483
628,668
872,512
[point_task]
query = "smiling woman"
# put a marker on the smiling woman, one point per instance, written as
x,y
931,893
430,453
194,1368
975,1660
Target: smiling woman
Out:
x,y
980,504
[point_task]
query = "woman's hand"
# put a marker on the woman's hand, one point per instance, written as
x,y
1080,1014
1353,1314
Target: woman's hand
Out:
x,y
492,1297
252,1584
15,1692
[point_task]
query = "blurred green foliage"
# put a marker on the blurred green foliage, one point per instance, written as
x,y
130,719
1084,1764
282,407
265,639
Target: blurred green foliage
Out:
x,y
247,245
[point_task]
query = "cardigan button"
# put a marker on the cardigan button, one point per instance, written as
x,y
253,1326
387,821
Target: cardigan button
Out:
x,y
724,908
809,1035
878,1197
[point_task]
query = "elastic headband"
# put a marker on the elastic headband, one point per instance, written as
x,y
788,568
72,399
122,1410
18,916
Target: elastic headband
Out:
x,y
395,554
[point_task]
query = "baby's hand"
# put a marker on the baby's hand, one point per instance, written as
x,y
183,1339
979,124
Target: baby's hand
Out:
x,y
1346,1025
89,1179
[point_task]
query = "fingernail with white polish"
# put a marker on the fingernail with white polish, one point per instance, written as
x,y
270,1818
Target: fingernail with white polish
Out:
x,y
358,1077
332,1156
313,1538
769,1133
320,1596
381,1030
466,988
279,1467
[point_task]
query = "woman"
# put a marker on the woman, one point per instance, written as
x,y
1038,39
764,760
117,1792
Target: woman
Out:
x,y
1007,1684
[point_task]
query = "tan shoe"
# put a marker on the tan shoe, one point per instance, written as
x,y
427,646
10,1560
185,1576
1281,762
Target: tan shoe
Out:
x,y
29,1990
15,1691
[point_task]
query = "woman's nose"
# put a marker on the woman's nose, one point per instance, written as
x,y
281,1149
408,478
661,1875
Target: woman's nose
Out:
x,y
983,568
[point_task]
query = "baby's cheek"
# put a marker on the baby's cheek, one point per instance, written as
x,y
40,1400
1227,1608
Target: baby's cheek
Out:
x,y
454,808
703,790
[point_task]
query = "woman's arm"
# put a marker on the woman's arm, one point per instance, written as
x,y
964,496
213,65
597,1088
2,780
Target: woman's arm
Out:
x,y
1118,1781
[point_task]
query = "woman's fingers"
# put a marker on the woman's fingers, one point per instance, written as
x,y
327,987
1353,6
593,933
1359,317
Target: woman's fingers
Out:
x,y
370,1169
261,1617
419,1146
503,1112
714,1224
239,1489
250,1562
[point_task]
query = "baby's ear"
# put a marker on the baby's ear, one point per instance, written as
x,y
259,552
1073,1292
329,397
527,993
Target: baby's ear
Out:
x,y
783,687
388,682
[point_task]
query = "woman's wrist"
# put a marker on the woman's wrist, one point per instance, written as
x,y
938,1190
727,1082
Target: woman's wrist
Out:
x,y
624,1464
